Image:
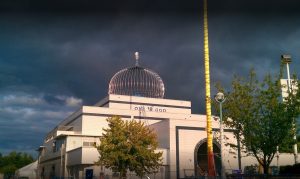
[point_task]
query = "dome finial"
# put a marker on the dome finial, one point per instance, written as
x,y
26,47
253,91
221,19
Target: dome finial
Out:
x,y
136,58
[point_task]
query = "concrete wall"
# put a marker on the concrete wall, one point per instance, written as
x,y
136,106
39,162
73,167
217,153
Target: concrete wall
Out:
x,y
74,157
163,133
93,125
150,108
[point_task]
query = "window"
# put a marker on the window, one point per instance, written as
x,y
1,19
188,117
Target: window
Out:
x,y
89,144
57,144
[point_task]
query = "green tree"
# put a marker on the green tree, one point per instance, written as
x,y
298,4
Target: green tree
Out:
x,y
287,145
256,110
129,145
13,161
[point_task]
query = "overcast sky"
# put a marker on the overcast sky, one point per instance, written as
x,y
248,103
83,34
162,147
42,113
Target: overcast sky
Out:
x,y
58,55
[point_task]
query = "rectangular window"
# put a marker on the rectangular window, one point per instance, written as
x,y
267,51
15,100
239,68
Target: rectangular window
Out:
x,y
89,144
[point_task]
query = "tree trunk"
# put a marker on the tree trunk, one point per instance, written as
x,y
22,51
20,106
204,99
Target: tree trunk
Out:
x,y
266,169
123,175
239,150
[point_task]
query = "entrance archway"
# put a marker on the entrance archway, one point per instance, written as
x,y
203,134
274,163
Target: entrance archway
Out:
x,y
201,166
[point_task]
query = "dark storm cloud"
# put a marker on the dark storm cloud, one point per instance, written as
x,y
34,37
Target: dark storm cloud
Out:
x,y
142,6
25,118
174,41
57,55
97,6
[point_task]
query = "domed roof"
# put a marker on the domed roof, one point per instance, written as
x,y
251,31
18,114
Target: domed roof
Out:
x,y
137,81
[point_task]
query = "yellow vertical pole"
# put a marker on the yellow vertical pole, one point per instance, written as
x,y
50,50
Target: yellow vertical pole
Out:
x,y
210,154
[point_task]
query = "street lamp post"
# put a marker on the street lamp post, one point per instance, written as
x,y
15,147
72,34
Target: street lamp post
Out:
x,y
220,98
287,59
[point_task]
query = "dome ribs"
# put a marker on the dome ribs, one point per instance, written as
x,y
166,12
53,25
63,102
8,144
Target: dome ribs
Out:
x,y
137,81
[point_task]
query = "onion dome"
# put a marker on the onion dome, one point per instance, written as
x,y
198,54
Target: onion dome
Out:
x,y
137,81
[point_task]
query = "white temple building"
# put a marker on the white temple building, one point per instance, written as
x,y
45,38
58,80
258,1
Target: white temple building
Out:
x,y
137,93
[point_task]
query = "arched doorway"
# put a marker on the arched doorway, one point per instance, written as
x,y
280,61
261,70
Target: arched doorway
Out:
x,y
201,158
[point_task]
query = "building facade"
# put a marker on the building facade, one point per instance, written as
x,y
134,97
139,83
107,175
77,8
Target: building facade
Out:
x,y
137,93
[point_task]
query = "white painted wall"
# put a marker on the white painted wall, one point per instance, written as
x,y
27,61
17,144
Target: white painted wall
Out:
x,y
93,125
